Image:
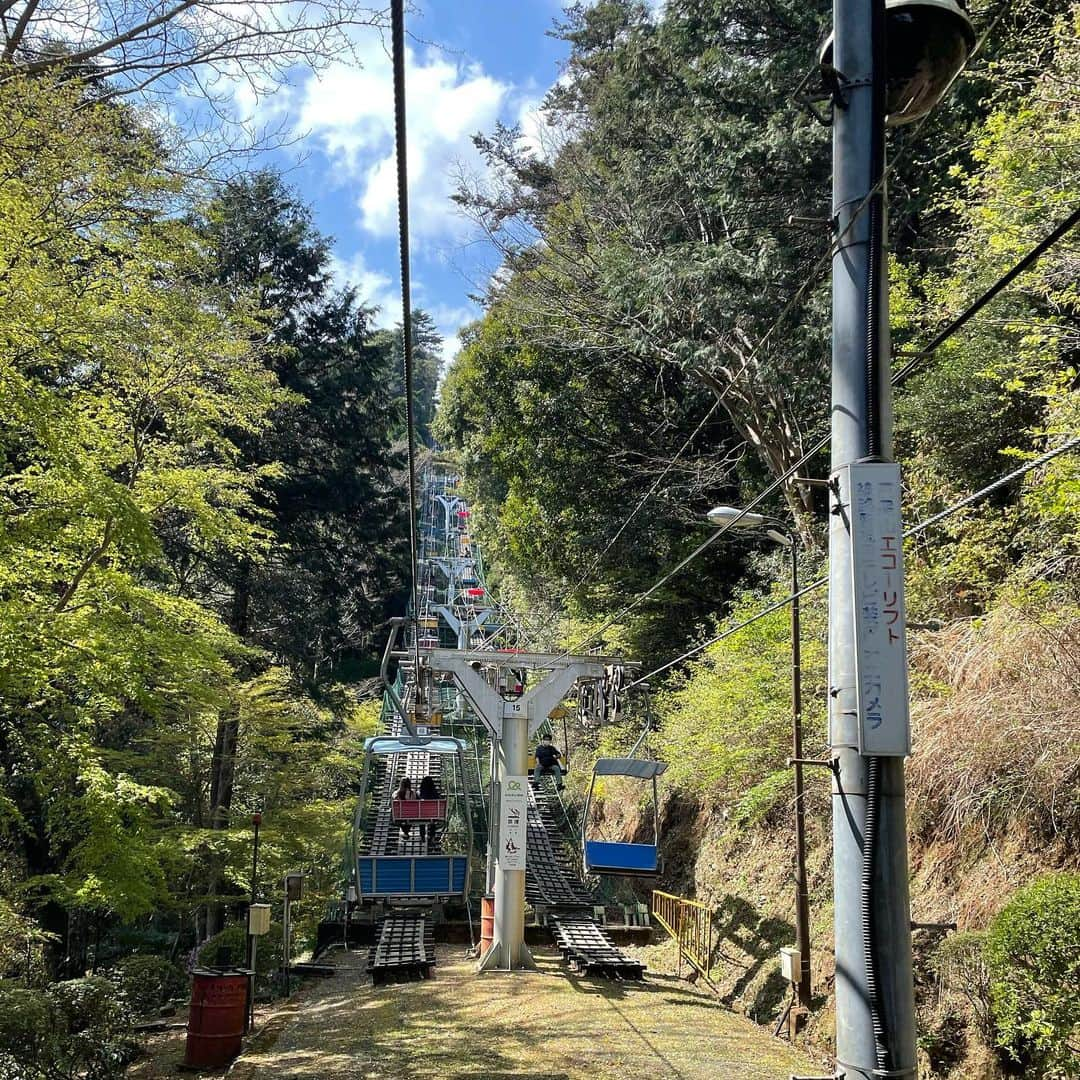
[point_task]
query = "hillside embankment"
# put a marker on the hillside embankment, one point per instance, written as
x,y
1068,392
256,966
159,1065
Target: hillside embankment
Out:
x,y
993,804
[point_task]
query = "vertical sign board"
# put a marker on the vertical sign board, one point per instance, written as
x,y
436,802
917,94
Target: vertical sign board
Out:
x,y
512,822
877,566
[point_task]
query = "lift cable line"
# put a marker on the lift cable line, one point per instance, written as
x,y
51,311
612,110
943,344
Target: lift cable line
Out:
x,y
915,530
816,273
708,542
645,498
398,48
973,309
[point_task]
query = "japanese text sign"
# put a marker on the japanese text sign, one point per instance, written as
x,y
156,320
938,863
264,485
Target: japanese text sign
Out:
x,y
877,566
513,822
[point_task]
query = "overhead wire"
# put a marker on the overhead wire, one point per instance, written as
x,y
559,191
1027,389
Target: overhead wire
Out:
x,y
645,498
397,18
1003,282
898,379
915,530
813,278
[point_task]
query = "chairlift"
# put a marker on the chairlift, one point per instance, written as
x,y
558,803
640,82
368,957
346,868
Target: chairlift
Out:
x,y
405,876
617,858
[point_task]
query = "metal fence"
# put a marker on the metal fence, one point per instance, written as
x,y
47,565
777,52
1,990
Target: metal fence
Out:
x,y
690,923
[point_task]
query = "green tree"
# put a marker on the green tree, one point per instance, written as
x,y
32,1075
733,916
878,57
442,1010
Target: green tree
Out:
x,y
127,378
331,509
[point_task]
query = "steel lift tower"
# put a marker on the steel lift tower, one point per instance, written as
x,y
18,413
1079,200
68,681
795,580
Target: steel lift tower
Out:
x,y
511,720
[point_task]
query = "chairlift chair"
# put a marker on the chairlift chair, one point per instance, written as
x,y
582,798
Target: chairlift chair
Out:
x,y
618,858
384,876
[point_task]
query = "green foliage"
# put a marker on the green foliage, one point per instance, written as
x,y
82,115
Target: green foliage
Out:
x,y
21,940
78,1028
122,403
643,263
757,804
1033,953
194,447
1004,387
149,982
93,1026
726,725
331,502
229,949
25,1024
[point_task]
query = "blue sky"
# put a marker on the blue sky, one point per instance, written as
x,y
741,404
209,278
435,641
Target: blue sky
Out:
x,y
470,63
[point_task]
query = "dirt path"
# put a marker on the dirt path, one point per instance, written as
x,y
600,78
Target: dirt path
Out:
x,y
549,1025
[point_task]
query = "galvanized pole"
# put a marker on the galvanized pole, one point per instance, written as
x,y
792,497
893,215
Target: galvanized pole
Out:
x,y
875,1025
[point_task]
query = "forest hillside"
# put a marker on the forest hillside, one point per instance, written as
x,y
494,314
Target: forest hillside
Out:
x,y
657,344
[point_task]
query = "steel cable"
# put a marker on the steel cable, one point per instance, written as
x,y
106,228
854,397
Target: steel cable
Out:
x,y
397,11
915,530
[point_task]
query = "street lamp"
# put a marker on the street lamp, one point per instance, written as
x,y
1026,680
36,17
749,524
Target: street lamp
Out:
x,y
929,42
780,534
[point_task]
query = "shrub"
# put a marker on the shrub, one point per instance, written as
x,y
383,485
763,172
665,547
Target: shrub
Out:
x,y
229,949
25,1024
75,1028
763,800
92,1023
1033,953
149,982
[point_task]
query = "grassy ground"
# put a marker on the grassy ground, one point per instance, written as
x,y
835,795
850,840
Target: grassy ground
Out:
x,y
550,1025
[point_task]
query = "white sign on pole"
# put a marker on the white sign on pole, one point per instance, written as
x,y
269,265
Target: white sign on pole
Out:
x,y
513,822
877,566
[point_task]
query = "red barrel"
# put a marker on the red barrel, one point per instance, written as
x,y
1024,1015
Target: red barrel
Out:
x,y
216,1019
487,923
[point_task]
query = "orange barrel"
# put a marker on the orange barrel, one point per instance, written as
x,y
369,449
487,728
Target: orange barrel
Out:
x,y
487,923
216,1017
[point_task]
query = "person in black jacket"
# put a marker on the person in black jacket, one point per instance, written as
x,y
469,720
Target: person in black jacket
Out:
x,y
428,790
547,761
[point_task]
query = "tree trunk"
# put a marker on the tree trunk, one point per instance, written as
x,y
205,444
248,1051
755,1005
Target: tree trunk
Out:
x,y
223,764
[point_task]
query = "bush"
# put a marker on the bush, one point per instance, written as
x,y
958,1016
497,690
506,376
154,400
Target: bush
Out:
x,y
75,1028
149,982
763,800
92,1022
25,1024
1033,953
229,949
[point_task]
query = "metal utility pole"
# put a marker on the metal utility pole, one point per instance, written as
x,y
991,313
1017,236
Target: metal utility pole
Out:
x,y
875,1021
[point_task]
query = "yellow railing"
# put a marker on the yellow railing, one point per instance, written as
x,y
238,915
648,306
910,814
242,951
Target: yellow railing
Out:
x,y
689,922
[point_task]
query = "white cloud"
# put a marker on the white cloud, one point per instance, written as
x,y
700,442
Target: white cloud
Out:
x,y
350,113
539,136
377,288
372,287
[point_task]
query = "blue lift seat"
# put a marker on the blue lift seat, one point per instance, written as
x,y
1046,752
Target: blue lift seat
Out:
x,y
412,875
606,857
